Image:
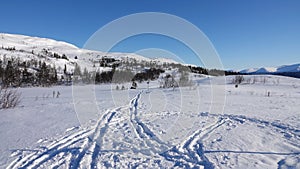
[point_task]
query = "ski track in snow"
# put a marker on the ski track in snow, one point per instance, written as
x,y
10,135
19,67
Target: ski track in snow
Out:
x,y
285,129
68,147
83,149
190,153
142,131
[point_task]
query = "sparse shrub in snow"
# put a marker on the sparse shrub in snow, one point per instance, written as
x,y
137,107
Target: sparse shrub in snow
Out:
x,y
276,81
238,79
9,98
254,80
184,79
248,81
123,87
169,81
58,94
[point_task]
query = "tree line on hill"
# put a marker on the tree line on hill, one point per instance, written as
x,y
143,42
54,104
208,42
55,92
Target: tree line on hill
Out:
x,y
16,73
114,75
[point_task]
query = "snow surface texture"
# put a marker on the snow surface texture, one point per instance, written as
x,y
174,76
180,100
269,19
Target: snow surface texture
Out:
x,y
157,128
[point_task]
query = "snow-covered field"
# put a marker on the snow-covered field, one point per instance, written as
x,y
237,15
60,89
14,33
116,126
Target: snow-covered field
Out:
x,y
155,128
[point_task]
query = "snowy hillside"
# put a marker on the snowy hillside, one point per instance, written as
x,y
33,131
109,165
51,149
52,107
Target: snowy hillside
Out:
x,y
27,48
32,61
279,69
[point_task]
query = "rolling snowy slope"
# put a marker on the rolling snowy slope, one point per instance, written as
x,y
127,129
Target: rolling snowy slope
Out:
x,y
27,48
157,128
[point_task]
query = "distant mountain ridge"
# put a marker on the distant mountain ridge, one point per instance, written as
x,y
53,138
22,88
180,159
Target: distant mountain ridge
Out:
x,y
273,70
292,70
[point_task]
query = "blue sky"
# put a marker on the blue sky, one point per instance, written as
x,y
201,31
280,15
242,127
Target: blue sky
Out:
x,y
246,33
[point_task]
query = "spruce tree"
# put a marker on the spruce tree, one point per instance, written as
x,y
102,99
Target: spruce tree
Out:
x,y
43,75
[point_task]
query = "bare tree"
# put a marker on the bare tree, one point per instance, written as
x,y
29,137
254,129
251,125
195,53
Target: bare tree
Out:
x,y
9,98
238,79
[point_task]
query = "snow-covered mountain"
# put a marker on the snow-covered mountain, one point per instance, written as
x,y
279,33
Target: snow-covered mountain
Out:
x,y
27,48
270,70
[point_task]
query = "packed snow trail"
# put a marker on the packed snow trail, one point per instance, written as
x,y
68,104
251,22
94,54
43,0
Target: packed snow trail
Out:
x,y
120,139
142,131
74,148
86,147
190,153
89,147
